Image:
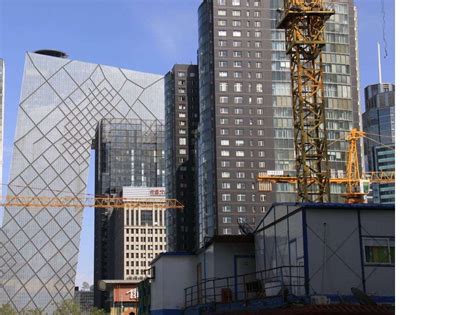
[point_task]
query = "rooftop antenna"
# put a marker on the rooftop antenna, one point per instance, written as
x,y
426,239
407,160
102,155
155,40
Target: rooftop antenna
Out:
x,y
380,64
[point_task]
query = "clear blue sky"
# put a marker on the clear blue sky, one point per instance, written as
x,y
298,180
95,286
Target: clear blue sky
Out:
x,y
143,35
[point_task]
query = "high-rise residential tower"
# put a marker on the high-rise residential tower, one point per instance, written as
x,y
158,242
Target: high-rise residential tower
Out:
x,y
379,145
246,122
128,152
182,118
61,103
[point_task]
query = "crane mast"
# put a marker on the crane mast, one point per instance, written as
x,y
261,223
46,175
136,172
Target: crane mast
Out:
x,y
303,22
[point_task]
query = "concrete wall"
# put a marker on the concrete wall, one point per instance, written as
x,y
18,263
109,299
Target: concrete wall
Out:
x,y
172,275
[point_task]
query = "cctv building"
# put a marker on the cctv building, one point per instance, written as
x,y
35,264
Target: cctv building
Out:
x,y
62,102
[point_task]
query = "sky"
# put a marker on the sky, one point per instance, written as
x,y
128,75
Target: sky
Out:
x,y
142,35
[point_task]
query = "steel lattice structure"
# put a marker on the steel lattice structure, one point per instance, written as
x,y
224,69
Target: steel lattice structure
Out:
x,y
303,22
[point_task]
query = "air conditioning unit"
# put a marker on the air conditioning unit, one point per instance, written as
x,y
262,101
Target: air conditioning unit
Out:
x,y
319,299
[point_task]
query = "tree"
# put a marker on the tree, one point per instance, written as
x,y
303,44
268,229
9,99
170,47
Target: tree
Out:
x,y
31,312
68,307
6,309
97,311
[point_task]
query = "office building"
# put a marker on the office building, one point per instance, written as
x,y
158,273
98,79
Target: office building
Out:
x,y
2,117
181,120
246,124
139,232
85,300
379,145
61,103
128,152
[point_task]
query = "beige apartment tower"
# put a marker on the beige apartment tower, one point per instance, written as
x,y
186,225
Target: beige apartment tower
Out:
x,y
140,232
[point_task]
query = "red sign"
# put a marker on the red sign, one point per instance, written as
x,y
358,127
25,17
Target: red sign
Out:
x,y
158,192
126,293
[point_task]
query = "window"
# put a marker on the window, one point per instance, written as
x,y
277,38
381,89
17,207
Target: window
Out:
x,y
258,75
263,198
224,110
258,65
236,23
182,141
222,53
221,12
226,220
222,64
379,251
240,174
222,43
222,33
182,115
260,122
238,87
240,186
261,164
238,99
260,132
237,75
235,13
227,231
237,64
259,100
181,74
237,54
259,87
237,33
239,121
235,2
223,99
256,14
223,74
224,132
222,23
258,44
225,175
238,111
258,34
223,86
226,209
257,24
225,163
261,153
221,2
239,143
225,153
258,54
225,197
256,3
261,143
241,197
239,132
240,164
224,121
224,142
225,185
236,43
240,153
259,111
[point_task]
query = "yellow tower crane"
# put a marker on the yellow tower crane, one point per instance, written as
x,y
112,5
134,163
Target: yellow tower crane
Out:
x,y
303,22
354,180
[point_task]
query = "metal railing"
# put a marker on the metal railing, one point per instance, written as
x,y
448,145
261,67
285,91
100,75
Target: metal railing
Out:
x,y
282,280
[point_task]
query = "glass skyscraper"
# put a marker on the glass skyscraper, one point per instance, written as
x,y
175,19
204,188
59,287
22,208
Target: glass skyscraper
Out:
x,y
128,152
62,101
379,124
